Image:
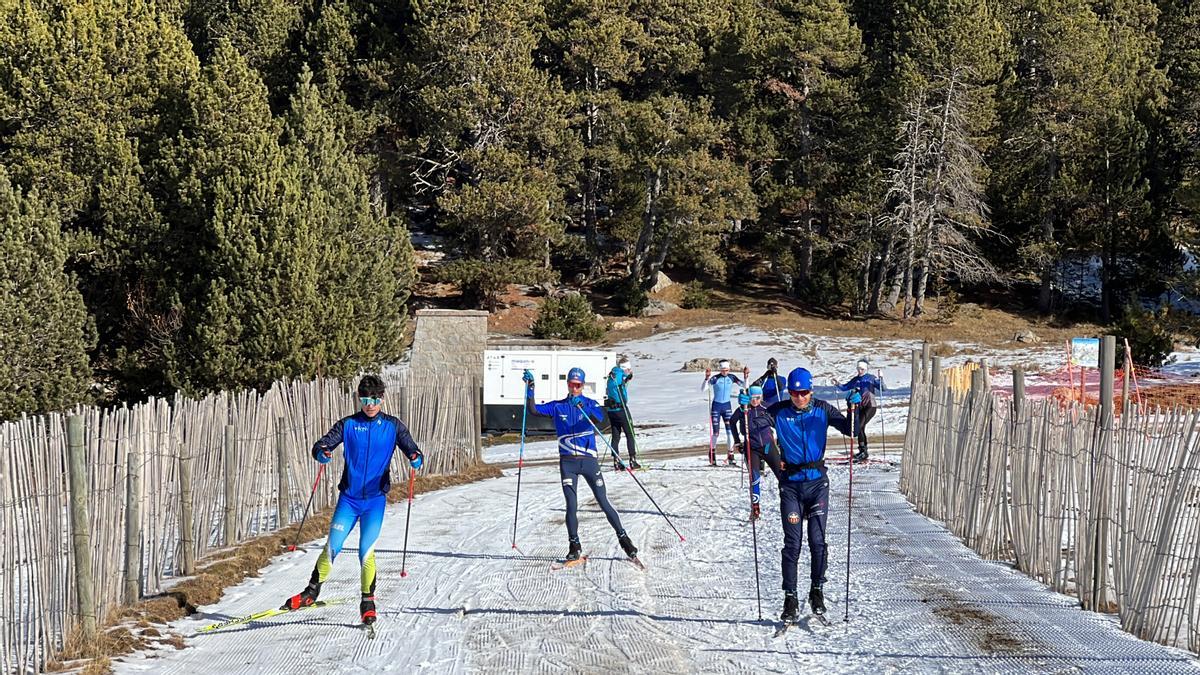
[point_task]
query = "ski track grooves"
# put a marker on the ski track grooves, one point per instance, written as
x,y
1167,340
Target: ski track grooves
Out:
x,y
471,603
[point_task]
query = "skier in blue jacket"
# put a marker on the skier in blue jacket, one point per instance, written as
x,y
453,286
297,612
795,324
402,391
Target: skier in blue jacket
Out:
x,y
801,427
752,422
774,385
866,386
577,455
721,386
369,437
616,404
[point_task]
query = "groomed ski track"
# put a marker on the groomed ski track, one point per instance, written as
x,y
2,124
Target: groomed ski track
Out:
x,y
920,601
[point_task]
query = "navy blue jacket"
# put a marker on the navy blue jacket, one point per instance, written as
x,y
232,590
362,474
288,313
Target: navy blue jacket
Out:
x,y
762,427
801,435
369,443
774,387
866,385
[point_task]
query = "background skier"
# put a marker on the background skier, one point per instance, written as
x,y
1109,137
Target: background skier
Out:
x,y
577,456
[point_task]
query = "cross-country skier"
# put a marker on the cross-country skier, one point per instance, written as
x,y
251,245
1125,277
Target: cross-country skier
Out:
x,y
616,403
865,385
752,415
577,456
774,386
721,385
368,439
801,426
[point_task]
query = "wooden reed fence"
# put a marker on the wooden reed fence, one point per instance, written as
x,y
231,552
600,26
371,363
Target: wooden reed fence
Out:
x,y
1099,506
165,483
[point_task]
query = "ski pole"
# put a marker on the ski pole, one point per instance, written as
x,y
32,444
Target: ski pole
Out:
x,y
520,463
307,507
412,475
882,426
849,516
753,520
630,470
711,425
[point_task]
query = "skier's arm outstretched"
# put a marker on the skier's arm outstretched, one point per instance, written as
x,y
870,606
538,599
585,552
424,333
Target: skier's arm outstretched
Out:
x,y
542,410
836,419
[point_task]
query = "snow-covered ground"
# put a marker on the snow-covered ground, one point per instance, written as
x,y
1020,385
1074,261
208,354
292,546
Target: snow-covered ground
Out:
x,y
919,600
670,409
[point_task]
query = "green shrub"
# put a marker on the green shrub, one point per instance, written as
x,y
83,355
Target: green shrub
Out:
x,y
567,318
1148,333
631,297
482,283
695,296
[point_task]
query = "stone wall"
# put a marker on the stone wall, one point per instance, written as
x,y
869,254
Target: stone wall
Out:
x,y
449,340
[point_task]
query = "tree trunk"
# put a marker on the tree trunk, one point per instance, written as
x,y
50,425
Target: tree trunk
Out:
x,y
885,260
804,264
1044,292
641,252
1109,257
591,178
935,207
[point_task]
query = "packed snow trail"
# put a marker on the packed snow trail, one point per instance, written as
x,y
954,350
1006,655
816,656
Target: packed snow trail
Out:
x,y
920,601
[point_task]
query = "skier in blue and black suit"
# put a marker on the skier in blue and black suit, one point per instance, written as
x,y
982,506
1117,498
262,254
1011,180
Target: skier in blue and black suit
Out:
x,y
577,455
866,386
616,402
751,421
368,438
801,427
721,385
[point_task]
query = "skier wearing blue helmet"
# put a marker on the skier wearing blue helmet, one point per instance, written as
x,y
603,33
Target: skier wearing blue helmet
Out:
x,y
577,455
801,428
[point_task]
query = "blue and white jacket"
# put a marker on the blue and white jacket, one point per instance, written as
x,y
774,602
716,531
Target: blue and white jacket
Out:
x,y
576,435
801,435
369,443
616,395
722,387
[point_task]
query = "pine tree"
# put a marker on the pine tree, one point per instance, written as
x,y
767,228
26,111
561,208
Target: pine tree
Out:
x,y
47,333
495,141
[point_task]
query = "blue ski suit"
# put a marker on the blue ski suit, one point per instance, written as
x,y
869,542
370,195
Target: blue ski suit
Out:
x,y
575,418
867,385
804,485
774,387
722,388
368,445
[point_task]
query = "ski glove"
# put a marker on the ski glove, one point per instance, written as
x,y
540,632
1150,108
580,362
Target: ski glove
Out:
x,y
325,456
417,461
575,400
743,398
854,399
527,376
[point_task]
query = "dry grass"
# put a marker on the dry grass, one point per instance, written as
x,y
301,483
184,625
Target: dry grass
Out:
x,y
214,574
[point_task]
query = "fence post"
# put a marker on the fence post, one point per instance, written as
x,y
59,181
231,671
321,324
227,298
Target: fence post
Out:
x,y
1018,392
230,463
477,387
936,372
987,378
185,513
915,373
81,530
133,524
284,508
926,353
1100,478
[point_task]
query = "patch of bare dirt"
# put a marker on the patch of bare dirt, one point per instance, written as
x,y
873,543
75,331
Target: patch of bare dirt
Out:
x,y
992,633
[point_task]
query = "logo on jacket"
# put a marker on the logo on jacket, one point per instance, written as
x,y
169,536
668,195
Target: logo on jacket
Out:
x,y
362,427
794,518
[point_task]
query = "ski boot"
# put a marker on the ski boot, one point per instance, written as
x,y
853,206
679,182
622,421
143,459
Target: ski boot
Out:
x,y
791,607
860,457
754,512
816,600
618,465
633,464
627,545
730,461
366,608
573,551
304,598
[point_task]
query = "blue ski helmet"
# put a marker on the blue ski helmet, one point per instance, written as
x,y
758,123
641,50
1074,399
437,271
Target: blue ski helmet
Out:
x,y
755,391
800,380
576,375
